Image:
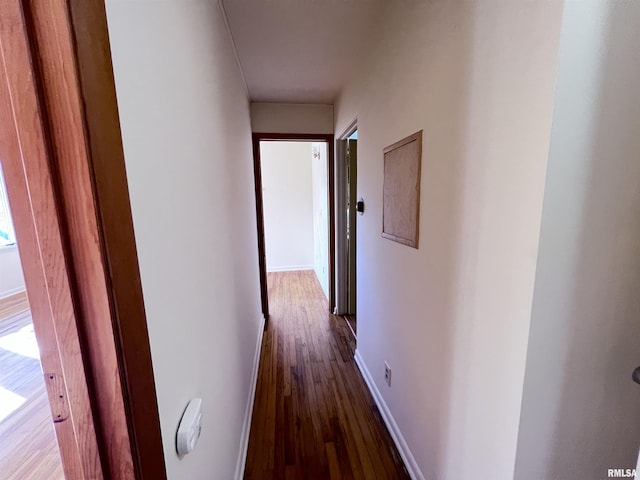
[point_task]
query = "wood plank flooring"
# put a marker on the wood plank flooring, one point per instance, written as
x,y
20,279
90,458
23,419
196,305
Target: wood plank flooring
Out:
x,y
13,305
28,447
313,416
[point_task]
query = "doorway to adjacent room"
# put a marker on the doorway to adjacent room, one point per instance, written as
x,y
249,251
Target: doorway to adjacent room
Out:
x,y
295,205
346,227
294,185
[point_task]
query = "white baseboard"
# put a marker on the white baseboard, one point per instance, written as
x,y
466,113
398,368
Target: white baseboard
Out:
x,y
13,291
246,427
412,467
291,268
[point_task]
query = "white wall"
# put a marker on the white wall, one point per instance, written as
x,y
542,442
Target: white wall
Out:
x,y
291,118
319,179
581,411
452,317
11,279
287,204
186,132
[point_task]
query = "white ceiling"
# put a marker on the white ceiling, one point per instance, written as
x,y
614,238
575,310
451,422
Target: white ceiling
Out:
x,y
300,51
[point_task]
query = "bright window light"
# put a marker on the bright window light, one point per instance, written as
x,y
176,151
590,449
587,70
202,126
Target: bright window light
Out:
x,y
23,342
7,234
9,402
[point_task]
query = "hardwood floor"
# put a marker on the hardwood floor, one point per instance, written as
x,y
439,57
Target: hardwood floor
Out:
x,y
313,416
28,447
11,306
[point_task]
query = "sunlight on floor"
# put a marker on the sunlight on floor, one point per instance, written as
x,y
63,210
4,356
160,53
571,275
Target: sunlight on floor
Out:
x,y
23,342
9,402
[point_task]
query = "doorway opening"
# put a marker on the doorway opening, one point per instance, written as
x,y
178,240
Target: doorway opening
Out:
x,y
346,227
295,209
28,445
351,165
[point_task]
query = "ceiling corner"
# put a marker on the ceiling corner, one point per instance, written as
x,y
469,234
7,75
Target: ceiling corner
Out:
x,y
227,27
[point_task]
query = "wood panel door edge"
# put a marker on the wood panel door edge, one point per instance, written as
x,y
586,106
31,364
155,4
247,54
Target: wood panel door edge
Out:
x,y
72,72
39,228
106,156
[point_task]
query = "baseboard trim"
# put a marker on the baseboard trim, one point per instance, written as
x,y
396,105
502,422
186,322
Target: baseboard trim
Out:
x,y
412,467
292,268
246,427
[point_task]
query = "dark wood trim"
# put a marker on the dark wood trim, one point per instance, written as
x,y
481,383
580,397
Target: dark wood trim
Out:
x,y
68,61
262,257
294,137
329,139
331,147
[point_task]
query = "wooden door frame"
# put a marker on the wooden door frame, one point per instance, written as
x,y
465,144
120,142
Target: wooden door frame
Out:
x,y
64,166
352,155
342,269
329,139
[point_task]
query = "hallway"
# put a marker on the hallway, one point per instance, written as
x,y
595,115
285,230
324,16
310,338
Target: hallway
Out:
x,y
313,415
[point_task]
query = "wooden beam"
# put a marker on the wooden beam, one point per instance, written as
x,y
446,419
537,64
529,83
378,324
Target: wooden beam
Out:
x,y
26,154
120,256
65,62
